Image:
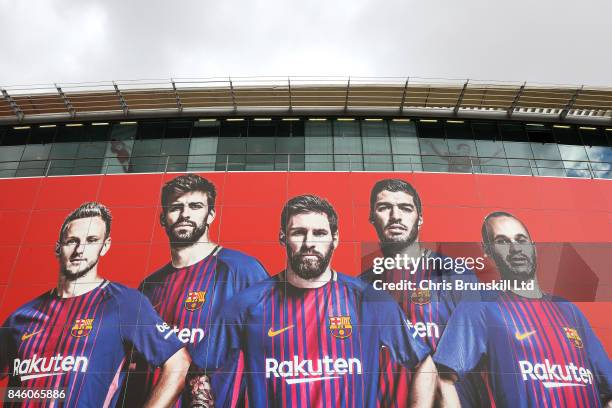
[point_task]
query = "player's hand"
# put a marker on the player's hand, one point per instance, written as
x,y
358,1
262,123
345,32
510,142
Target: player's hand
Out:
x,y
200,392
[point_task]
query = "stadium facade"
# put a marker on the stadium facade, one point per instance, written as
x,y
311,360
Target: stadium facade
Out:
x,y
473,150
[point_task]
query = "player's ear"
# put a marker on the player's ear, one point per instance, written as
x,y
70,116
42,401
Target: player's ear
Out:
x,y
282,238
211,216
336,239
420,220
105,246
162,219
57,248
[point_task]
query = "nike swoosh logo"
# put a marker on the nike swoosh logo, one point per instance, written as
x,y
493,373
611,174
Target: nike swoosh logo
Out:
x,y
28,335
523,336
272,333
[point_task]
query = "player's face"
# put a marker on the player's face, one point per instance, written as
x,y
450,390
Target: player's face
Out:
x,y
309,244
187,217
511,248
81,246
396,218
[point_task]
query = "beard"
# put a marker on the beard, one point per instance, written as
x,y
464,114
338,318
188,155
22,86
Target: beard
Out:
x,y
510,272
73,276
397,244
309,268
185,238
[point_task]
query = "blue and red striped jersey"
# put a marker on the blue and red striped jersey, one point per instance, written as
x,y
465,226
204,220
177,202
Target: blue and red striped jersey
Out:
x,y
80,343
536,352
311,347
189,298
428,309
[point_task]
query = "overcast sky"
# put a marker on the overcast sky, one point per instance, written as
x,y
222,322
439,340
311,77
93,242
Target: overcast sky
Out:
x,y
549,41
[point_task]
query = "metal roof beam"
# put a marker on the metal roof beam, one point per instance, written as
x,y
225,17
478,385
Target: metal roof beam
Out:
x,y
401,109
233,95
348,87
570,103
67,103
179,105
458,104
122,102
14,106
512,106
290,99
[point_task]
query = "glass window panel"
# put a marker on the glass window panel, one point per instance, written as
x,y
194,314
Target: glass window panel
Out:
x,y
11,153
146,156
262,128
513,132
71,134
521,166
569,152
593,137
318,146
15,137
234,129
202,154
205,129
150,130
431,129
292,146
491,157
376,146
119,149
348,153
568,135
458,130
599,153
36,152
405,146
516,150
260,153
294,128
549,151
42,135
97,133
231,153
485,131
577,169
178,129
177,150
64,150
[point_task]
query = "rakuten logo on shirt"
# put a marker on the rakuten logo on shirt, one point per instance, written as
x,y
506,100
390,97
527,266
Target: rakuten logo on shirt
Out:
x,y
298,371
556,375
37,367
185,335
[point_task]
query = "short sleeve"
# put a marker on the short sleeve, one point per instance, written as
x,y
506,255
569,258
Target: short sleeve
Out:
x,y
598,358
464,341
144,329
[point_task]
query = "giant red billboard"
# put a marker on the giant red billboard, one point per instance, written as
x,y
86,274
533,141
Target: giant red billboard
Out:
x,y
177,278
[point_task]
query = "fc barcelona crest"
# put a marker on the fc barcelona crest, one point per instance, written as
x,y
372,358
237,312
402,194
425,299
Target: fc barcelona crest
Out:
x,y
195,300
420,296
81,327
573,336
340,326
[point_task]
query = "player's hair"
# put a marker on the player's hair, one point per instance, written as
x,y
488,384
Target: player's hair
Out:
x,y
89,210
486,236
394,185
309,204
186,184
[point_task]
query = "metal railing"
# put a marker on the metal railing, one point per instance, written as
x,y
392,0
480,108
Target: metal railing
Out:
x,y
307,162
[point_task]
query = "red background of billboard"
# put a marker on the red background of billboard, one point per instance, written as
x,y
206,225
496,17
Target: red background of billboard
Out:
x,y
248,211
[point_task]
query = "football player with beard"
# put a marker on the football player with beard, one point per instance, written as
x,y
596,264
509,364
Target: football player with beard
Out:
x,y
396,212
536,350
192,289
74,337
311,336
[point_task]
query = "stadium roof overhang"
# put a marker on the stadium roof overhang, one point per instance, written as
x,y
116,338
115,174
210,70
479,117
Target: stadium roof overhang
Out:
x,y
305,96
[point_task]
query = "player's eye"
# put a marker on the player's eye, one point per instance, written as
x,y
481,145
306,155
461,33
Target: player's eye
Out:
x,y
174,208
196,206
405,208
320,233
502,241
92,240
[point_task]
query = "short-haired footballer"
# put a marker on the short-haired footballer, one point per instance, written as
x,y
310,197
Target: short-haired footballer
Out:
x,y
312,336
537,350
74,337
